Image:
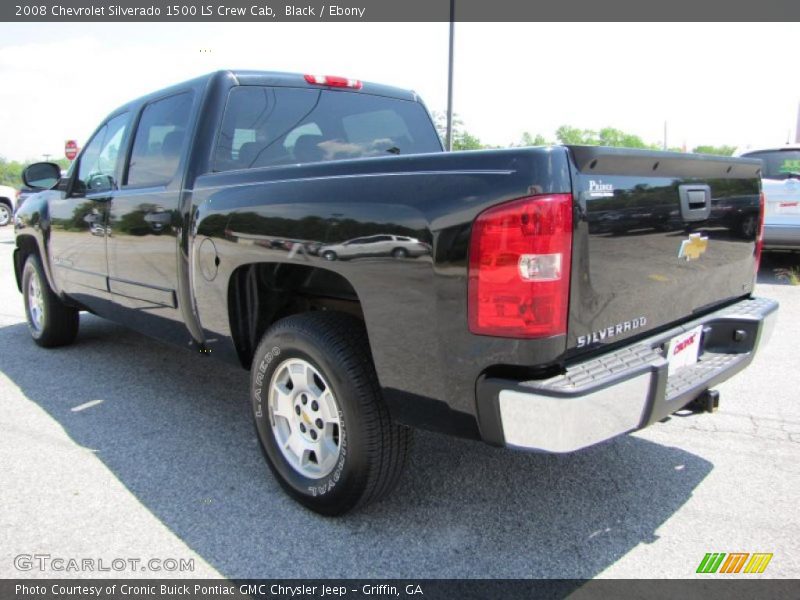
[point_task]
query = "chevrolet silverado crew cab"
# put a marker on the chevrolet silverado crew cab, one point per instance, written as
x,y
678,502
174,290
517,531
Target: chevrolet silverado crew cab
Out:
x,y
312,230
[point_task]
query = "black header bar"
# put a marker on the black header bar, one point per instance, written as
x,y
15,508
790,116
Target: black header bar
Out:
x,y
398,10
710,588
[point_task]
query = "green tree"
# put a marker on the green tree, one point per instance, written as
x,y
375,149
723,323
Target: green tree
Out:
x,y
718,150
462,139
10,172
566,134
620,139
533,140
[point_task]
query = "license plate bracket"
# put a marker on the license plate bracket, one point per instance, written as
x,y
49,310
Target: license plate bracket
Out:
x,y
682,350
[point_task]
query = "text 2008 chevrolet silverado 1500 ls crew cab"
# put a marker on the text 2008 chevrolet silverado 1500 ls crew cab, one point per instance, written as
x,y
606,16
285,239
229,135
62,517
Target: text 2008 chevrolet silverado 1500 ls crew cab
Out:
x,y
312,230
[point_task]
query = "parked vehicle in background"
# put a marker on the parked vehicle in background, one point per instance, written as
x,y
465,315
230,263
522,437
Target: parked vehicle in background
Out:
x,y
8,196
396,246
23,193
780,181
497,305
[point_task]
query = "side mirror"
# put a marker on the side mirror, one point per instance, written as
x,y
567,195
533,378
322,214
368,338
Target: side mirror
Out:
x,y
41,176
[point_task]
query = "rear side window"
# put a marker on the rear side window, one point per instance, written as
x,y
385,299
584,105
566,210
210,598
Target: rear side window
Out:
x,y
159,141
279,126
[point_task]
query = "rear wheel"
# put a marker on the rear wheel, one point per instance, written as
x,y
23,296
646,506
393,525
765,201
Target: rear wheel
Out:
x,y
321,421
5,214
50,321
748,226
400,253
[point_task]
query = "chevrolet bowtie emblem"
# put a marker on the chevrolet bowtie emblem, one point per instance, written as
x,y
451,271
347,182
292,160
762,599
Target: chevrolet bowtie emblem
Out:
x,y
692,248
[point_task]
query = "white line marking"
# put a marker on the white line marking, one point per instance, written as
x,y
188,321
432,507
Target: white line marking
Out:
x,y
86,405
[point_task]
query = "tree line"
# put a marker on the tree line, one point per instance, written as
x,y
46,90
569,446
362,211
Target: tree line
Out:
x,y
11,170
568,135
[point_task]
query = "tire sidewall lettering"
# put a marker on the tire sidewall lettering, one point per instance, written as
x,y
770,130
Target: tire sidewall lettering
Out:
x,y
258,396
330,481
260,389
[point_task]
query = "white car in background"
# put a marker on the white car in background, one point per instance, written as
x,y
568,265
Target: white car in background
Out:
x,y
8,197
396,246
780,179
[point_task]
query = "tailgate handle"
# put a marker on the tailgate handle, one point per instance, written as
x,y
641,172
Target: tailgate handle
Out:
x,y
695,202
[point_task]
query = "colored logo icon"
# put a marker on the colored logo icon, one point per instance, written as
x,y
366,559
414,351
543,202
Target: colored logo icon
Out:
x,y
734,562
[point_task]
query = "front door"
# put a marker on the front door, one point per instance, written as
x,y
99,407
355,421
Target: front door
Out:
x,y
79,217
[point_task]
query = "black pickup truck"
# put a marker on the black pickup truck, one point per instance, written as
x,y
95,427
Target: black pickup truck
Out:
x,y
312,230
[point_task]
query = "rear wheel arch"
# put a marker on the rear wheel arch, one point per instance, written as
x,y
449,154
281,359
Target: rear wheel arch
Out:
x,y
259,294
27,245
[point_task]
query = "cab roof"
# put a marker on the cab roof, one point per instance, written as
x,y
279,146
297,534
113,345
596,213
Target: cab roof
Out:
x,y
267,78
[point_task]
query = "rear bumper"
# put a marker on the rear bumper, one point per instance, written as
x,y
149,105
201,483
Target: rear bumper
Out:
x,y
622,390
781,237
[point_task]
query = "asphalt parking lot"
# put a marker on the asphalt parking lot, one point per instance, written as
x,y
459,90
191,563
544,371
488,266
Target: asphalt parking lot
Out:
x,y
120,447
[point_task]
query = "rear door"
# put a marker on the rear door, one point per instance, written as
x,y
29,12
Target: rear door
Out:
x,y
660,237
145,219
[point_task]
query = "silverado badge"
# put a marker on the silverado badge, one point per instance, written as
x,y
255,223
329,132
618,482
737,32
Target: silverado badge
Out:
x,y
692,248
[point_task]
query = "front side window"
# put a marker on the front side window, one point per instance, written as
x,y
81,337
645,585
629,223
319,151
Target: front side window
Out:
x,y
98,163
159,141
265,127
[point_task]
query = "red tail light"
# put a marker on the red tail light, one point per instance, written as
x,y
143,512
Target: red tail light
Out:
x,y
760,238
333,81
519,266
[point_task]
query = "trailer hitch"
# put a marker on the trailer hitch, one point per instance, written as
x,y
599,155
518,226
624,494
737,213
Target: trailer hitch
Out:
x,y
708,401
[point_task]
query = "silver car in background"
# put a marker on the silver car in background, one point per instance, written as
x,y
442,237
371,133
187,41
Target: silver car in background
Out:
x,y
396,246
780,179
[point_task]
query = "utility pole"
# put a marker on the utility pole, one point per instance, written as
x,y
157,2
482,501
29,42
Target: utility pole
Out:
x,y
665,135
449,135
797,128
46,157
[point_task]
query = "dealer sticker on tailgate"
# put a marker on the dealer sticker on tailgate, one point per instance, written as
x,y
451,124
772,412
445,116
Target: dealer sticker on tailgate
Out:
x,y
682,350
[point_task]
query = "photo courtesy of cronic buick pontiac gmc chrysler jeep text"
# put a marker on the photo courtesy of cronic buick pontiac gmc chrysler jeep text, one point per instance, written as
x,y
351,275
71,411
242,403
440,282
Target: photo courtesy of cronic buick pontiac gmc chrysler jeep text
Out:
x,y
312,230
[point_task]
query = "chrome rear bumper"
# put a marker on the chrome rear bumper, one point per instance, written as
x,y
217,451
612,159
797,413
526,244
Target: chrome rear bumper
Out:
x,y
623,390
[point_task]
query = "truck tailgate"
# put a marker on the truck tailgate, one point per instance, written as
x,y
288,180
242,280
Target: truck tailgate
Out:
x,y
660,238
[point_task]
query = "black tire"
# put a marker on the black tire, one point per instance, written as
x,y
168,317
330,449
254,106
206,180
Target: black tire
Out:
x,y
748,226
58,323
5,214
373,450
400,253
329,255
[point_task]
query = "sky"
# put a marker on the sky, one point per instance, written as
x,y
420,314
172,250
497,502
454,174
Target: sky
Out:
x,y
713,83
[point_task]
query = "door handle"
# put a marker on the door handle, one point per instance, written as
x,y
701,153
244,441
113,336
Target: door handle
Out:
x,y
695,202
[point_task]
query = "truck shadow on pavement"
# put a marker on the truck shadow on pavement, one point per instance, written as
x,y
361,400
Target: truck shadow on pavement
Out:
x,y
175,429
